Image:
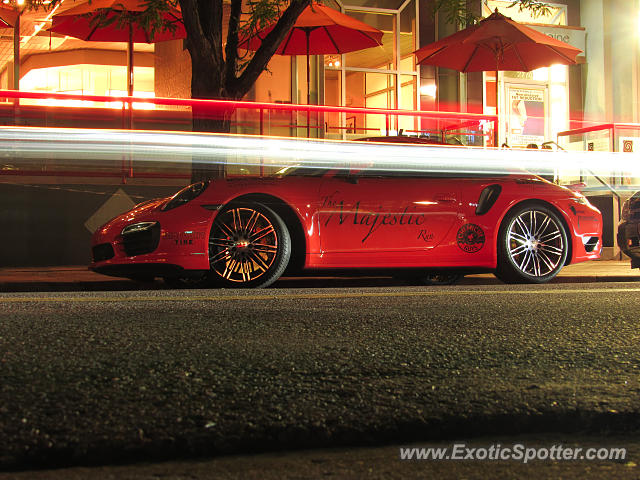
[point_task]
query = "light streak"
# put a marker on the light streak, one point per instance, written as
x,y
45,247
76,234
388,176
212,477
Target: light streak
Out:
x,y
92,148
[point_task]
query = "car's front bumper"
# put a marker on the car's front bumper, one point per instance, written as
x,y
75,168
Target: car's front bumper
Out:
x,y
585,223
157,244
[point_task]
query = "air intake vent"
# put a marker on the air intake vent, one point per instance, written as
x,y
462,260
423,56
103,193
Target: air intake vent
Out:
x,y
102,252
141,238
487,198
591,244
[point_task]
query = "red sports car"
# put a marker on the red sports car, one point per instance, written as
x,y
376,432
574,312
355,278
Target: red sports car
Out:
x,y
246,232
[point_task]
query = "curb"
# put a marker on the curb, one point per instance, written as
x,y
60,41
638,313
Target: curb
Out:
x,y
285,282
78,286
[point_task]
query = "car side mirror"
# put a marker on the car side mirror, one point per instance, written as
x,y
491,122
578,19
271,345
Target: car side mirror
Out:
x,y
349,176
352,178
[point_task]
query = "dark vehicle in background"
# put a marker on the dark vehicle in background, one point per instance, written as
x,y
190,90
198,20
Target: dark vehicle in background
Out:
x,y
629,230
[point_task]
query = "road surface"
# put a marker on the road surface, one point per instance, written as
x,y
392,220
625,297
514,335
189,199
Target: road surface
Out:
x,y
103,377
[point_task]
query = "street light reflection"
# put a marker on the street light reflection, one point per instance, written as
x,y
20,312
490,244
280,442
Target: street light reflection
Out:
x,y
50,148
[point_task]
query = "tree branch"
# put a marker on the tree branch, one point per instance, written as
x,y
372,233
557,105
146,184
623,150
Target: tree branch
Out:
x,y
231,51
267,49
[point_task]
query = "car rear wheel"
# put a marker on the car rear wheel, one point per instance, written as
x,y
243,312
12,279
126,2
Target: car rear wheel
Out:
x,y
249,247
532,245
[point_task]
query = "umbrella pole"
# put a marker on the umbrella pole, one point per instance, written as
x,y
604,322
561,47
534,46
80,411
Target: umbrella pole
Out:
x,y
130,62
308,33
130,75
16,52
128,168
497,125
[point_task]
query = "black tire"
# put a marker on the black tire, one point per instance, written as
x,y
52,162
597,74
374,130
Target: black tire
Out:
x,y
441,278
532,245
249,246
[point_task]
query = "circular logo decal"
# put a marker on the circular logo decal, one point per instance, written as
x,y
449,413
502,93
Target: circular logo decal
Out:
x,y
470,238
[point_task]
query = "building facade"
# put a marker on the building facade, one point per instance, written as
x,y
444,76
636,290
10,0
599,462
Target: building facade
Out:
x,y
603,87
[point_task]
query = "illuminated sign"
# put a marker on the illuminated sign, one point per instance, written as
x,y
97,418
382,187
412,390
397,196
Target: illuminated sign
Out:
x,y
574,36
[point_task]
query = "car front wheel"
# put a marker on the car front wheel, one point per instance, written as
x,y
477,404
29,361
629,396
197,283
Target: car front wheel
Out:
x,y
249,246
532,245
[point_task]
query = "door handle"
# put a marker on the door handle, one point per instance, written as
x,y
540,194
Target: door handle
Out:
x,y
446,198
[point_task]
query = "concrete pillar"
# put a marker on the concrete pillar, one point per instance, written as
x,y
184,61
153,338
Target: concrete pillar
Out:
x,y
597,98
611,72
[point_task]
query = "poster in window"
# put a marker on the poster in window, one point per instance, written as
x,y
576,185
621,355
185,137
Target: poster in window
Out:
x,y
526,116
627,144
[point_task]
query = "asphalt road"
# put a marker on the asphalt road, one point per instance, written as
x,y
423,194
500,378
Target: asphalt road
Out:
x,y
118,377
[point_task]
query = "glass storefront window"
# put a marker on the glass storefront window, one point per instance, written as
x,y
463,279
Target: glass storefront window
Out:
x,y
370,90
408,101
407,38
370,78
408,94
332,96
86,79
380,57
379,90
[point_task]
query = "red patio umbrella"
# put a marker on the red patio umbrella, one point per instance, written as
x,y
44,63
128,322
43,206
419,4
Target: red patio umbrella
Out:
x,y
497,43
8,17
321,30
98,22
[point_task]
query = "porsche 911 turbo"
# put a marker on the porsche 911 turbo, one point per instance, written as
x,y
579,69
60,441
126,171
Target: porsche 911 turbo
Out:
x,y
437,226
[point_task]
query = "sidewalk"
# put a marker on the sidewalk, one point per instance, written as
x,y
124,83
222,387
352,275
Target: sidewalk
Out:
x,y
68,278
79,278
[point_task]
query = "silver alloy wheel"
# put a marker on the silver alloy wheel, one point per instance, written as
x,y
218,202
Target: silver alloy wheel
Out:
x,y
536,243
243,245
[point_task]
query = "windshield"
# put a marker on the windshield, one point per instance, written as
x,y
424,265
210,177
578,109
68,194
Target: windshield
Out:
x,y
302,171
379,171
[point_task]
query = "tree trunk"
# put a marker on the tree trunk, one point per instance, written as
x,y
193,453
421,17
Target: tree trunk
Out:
x,y
206,118
215,167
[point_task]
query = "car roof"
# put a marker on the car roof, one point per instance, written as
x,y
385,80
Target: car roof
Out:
x,y
402,139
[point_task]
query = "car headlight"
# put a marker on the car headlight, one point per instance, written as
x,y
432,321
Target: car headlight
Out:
x,y
185,195
581,199
137,227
